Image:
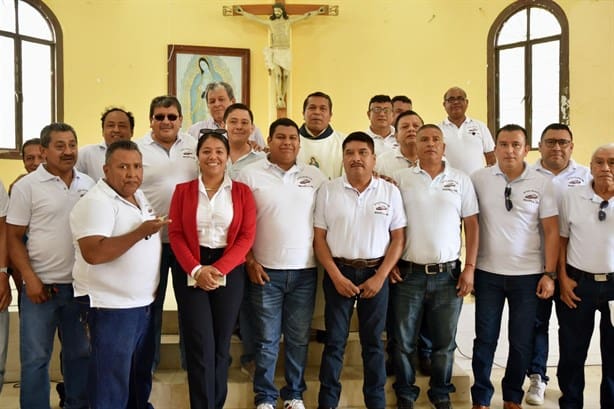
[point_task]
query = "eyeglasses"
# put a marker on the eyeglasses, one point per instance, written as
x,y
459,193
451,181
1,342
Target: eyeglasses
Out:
x,y
207,131
551,143
379,110
451,100
160,117
508,201
602,207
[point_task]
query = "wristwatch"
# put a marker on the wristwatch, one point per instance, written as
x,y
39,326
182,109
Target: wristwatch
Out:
x,y
551,274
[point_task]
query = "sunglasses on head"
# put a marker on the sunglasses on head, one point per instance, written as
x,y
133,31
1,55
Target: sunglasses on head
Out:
x,y
160,117
207,131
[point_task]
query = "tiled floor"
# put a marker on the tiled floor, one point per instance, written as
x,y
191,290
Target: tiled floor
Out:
x,y
9,398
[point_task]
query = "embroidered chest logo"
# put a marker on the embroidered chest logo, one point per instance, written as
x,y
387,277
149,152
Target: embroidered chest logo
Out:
x,y
531,196
450,185
381,208
575,181
304,181
314,162
473,130
187,154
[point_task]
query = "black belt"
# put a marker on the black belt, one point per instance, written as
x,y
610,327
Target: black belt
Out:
x,y
432,268
600,278
359,262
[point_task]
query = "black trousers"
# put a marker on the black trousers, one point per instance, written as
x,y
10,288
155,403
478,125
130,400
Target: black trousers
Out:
x,y
208,319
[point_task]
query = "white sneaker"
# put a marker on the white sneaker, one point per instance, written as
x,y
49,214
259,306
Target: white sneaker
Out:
x,y
265,406
537,389
294,404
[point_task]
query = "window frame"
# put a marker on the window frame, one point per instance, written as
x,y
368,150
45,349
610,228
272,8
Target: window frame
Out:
x,y
493,63
57,71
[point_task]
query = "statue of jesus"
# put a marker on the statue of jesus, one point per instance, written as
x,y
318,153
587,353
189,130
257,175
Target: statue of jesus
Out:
x,y
277,56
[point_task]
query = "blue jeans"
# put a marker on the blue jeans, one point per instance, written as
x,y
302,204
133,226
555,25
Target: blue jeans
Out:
x,y
4,343
539,356
491,291
371,323
122,349
284,305
167,261
423,297
38,324
575,331
209,317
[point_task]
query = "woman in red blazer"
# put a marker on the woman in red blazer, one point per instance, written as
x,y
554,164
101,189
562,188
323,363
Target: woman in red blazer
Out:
x,y
213,227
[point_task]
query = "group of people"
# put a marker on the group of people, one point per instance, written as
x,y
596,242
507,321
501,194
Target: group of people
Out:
x,y
244,228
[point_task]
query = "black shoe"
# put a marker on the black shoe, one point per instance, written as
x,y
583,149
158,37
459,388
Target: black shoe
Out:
x,y
446,404
61,393
403,403
424,365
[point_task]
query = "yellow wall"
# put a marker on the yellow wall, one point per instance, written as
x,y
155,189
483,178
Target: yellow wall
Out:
x,y
115,54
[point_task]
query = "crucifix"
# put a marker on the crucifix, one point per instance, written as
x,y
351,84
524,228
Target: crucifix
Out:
x,y
278,55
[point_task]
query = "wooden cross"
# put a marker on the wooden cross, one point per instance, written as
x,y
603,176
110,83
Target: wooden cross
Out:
x,y
265,9
290,9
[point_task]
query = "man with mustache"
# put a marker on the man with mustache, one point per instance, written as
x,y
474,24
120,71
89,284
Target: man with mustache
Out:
x,y
169,158
40,204
359,231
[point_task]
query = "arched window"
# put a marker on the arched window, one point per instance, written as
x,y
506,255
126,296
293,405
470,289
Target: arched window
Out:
x,y
30,95
528,67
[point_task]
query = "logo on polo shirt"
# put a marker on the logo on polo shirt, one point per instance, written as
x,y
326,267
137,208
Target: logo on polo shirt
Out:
x,y
450,185
381,208
82,192
575,181
188,153
473,130
531,196
304,181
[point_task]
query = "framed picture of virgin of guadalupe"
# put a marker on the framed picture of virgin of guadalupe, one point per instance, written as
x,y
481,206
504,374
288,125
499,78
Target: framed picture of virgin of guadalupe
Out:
x,y
191,68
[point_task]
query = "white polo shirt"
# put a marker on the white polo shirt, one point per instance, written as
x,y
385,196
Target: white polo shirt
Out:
x,y
390,161
42,202
209,123
250,157
325,154
383,144
284,213
163,170
510,242
434,209
90,160
591,242
573,175
131,279
358,225
465,146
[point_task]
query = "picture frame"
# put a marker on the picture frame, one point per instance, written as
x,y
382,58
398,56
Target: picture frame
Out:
x,y
191,68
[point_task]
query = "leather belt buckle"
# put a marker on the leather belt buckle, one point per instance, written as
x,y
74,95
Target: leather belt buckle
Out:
x,y
360,263
436,268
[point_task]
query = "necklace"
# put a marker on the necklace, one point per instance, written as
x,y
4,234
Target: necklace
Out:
x,y
212,189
